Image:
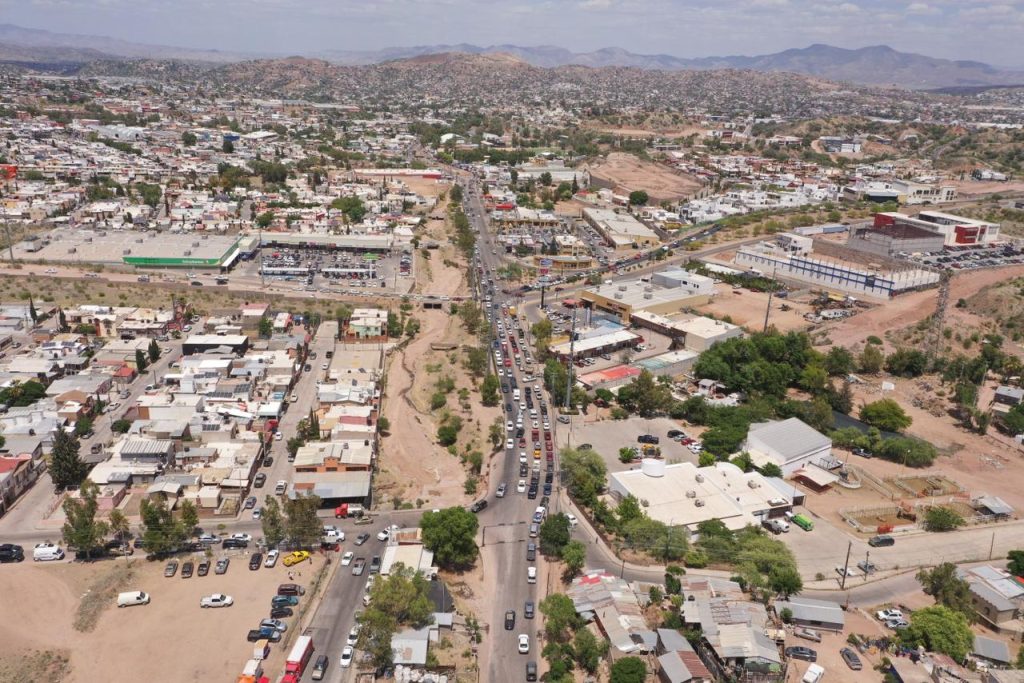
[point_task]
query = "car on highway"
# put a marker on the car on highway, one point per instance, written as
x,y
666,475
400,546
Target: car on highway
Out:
x,y
216,600
851,659
347,558
801,652
375,565
510,620
272,558
362,538
358,566
346,657
500,492
478,505
320,667
521,486
524,644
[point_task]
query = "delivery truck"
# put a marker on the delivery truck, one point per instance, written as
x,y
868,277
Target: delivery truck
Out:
x,y
298,659
348,510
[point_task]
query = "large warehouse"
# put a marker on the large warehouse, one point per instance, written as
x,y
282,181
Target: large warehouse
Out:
x,y
668,291
145,249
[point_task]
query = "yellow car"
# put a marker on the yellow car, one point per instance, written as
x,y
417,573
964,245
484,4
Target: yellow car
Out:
x,y
295,557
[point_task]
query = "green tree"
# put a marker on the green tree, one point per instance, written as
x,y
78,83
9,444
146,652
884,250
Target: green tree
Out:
x,y
906,363
545,179
588,650
83,426
554,534
1015,562
541,332
560,617
939,629
870,360
451,535
785,581
886,414
189,516
188,139
629,510
455,194
22,394
66,467
941,518
489,395
405,596
161,533
838,362
301,524
628,670
383,425
375,632
82,531
646,396
1013,420
140,361
154,351
228,147
119,524
32,313
813,379
264,219
585,473
638,198
351,207
948,589
265,327
574,555
272,522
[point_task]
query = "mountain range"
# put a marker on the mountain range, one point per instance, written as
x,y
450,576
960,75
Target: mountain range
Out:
x,y
877,65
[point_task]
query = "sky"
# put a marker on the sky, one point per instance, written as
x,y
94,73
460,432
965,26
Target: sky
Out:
x,y
984,30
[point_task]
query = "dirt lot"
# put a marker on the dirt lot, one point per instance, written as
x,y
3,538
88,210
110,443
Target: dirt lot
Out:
x,y
911,308
182,642
746,308
626,173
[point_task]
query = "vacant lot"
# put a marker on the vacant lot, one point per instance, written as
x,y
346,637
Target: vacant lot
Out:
x,y
746,308
625,173
170,639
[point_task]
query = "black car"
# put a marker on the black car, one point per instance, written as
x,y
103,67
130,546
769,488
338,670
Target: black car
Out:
x,y
187,570
204,568
532,493
255,561
510,620
10,552
281,612
268,461
234,543
375,564
504,388
523,470
800,652
478,506
528,610
260,480
648,438
547,489
320,667
673,433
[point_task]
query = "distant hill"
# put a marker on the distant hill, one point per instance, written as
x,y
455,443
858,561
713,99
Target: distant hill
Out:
x,y
876,65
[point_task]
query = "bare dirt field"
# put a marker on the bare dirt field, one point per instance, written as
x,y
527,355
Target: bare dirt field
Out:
x,y
649,131
974,188
747,308
626,173
912,308
170,639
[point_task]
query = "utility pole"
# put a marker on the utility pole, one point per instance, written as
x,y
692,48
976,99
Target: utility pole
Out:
x,y
992,545
771,293
572,352
846,565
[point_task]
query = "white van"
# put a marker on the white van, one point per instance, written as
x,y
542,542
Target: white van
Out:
x,y
531,575
45,552
814,673
132,598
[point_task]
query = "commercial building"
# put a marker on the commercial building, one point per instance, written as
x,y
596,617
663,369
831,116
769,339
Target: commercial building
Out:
x,y
894,239
789,444
667,292
903,192
841,272
608,342
669,364
144,249
201,343
684,495
621,230
955,230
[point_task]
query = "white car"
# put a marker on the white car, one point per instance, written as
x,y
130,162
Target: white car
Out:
x,y
524,644
521,486
353,636
346,559
509,445
275,624
385,534
216,600
242,537
257,513
272,557
572,520
508,426
278,436
889,614
849,572
346,657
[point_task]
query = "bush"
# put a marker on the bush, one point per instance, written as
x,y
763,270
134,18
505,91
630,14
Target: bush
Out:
x,y
941,518
886,414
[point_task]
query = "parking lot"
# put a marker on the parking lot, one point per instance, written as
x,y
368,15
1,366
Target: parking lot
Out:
x,y
328,270
608,436
171,638
970,257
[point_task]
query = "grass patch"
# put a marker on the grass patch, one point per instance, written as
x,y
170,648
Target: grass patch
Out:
x,y
100,596
52,666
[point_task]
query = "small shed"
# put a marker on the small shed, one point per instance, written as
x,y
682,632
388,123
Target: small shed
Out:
x,y
209,497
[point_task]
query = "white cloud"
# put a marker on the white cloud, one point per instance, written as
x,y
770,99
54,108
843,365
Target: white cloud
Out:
x,y
849,8
922,8
595,4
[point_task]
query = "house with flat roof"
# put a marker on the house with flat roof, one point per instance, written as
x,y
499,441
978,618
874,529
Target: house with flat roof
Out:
x,y
997,597
818,614
620,230
790,444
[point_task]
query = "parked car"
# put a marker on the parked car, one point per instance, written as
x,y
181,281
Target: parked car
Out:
x,y
851,659
255,561
275,624
290,589
222,566
808,634
272,557
346,657
280,612
801,652
204,568
263,634
887,614
171,569
187,570
284,601
216,600
362,538
295,557
375,564
478,506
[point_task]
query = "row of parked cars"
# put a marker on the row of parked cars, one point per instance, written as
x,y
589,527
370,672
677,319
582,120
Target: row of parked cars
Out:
x,y
281,605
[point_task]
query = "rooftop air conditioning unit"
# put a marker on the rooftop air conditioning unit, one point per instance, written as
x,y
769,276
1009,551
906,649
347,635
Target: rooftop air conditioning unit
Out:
x,y
188,252
618,295
623,288
753,484
126,252
195,244
691,494
699,502
139,241
648,295
699,478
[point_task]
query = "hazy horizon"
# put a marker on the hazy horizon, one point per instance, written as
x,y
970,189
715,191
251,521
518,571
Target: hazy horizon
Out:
x,y
965,30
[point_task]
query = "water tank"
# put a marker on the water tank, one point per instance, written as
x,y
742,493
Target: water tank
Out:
x,y
652,467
